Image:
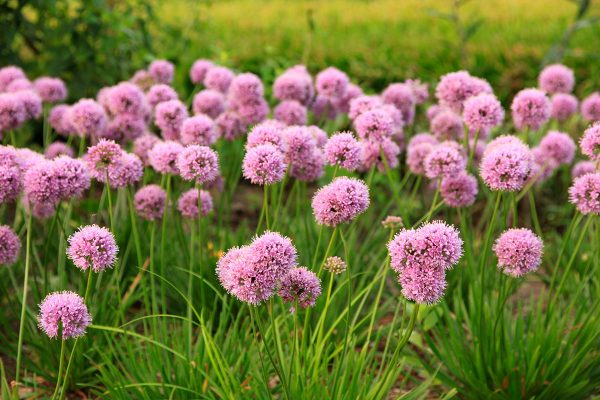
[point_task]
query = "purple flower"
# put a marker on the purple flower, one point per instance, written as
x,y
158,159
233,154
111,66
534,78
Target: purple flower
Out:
x,y
530,108
506,164
230,125
10,245
209,102
564,105
420,90
447,125
198,162
331,83
340,201
423,284
362,104
519,251
125,98
9,74
344,150
87,118
456,87
444,159
590,107
559,146
557,78
51,90
291,112
11,182
310,168
582,168
483,112
169,117
585,193
188,203
245,88
125,127
219,79
32,103
19,84
294,84
127,171
300,285
93,247
56,149
150,201
163,157
59,120
319,134
199,70
299,143
159,94
142,146
401,96
374,125
342,104
416,154
102,158
72,177
41,183
199,130
370,154
264,165
162,71
65,312
142,79
590,142
267,132
459,190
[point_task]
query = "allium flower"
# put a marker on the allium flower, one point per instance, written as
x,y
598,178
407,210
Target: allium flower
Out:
x,y
444,160
294,84
299,143
319,134
125,127
401,96
370,154
308,169
11,182
103,157
447,125
335,265
51,90
267,132
423,284
150,201
142,146
188,203
582,168
125,98
209,102
374,125
557,78
433,110
87,117
456,87
290,112
19,84
198,162
162,71
199,70
585,193
12,112
342,104
9,74
59,120
590,142
41,183
230,125
564,105
273,253
39,210
56,149
127,171
219,79
142,79
483,112
558,146
64,312
422,137
93,247
506,164
459,190
10,245
246,87
264,165
300,285
519,251
199,129
363,104
252,112
392,222
331,83
340,201
530,108
323,108
159,94
32,103
344,150
169,117
163,157
72,177
590,107
420,90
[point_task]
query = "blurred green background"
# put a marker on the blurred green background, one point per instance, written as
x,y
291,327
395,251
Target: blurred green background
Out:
x,y
99,42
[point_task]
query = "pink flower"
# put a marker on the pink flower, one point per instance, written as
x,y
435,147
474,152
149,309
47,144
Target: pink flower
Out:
x,y
557,78
72,177
344,150
401,96
331,83
371,154
340,201
294,84
291,112
150,201
199,129
444,159
483,112
51,90
198,163
162,71
564,105
264,165
590,142
65,312
10,245
585,193
422,284
530,109
142,146
456,87
93,247
188,203
447,125
125,98
169,117
218,78
519,252
300,285
87,118
374,125
163,157
590,107
459,190
267,132
559,146
159,94
506,164
582,168
199,70
209,102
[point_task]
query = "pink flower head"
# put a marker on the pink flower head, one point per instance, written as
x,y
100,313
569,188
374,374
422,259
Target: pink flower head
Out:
x,y
371,154
324,108
72,177
199,70
291,112
19,84
273,253
343,150
444,160
150,202
159,94
142,79
447,125
423,284
56,149
433,110
59,120
209,102
585,193
362,104
582,168
299,143
245,88
401,96
39,210
332,83
267,132
163,157
340,201
127,171
125,127
590,142
87,118
219,79
590,107
198,163
422,137
456,87
558,146
374,125
32,103
252,112
230,125
8,74
420,90
162,71
188,203
557,78
10,246
264,165
11,182
416,155
483,112
506,164
308,169
102,158
12,112
92,247
459,190
564,105
199,130
300,285
342,104
64,312
169,117
294,85
125,98
41,183
142,146
519,251
319,134
51,90
530,108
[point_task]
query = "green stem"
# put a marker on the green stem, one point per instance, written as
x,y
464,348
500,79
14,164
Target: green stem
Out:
x,y
24,302
60,368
